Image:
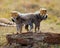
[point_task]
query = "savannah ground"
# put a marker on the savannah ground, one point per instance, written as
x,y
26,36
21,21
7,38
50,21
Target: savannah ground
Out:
x,y
45,27
52,24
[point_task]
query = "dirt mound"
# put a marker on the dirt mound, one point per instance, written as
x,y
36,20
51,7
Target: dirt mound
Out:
x,y
31,39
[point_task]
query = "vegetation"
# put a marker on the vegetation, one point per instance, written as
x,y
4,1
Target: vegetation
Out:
x,y
52,24
24,6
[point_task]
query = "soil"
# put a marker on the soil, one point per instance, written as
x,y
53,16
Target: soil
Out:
x,y
32,40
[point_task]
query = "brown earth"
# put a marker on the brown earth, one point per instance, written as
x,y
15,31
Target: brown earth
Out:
x,y
30,39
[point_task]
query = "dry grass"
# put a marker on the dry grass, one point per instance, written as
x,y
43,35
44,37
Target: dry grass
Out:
x,y
52,24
